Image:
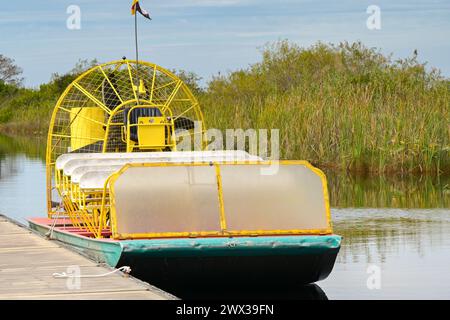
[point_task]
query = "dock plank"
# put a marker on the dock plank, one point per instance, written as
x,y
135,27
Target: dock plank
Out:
x,y
28,261
24,240
40,281
54,257
9,228
126,295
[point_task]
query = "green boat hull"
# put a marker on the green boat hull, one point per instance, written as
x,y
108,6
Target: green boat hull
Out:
x,y
271,260
100,251
226,262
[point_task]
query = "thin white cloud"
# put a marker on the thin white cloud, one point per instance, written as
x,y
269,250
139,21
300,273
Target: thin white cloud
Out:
x,y
205,3
257,34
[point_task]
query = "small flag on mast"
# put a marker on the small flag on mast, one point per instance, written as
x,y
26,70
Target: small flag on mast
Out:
x,y
136,7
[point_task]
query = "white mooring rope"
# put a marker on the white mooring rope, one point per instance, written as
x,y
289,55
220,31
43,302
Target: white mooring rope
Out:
x,y
49,234
125,269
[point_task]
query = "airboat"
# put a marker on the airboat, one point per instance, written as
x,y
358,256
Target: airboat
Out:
x,y
120,191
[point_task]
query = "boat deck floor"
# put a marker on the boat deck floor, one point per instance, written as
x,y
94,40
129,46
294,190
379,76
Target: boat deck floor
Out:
x,y
65,224
28,261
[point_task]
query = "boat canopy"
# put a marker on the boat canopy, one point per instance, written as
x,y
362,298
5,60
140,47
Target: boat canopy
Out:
x,y
184,200
213,193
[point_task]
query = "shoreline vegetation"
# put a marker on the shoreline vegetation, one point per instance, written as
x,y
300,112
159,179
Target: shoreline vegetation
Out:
x,y
342,107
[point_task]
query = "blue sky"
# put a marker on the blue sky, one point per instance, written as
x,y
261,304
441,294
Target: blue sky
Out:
x,y
208,36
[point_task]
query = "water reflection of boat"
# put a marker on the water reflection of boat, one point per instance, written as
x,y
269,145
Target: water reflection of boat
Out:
x,y
233,291
126,196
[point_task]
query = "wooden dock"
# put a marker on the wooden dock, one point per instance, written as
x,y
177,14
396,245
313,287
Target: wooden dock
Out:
x,y
28,261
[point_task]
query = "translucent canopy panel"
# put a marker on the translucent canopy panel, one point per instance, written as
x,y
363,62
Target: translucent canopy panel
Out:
x,y
237,199
163,199
292,198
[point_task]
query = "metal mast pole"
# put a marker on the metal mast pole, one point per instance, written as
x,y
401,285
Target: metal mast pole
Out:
x,y
137,53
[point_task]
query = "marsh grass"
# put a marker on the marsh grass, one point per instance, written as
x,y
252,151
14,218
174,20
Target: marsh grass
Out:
x,y
344,106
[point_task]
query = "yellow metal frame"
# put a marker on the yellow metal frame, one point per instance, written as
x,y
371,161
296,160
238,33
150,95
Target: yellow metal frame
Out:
x,y
223,232
51,154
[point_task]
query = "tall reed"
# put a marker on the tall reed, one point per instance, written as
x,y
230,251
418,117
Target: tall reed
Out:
x,y
344,106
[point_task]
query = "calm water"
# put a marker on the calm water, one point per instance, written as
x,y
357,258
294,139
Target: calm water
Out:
x,y
397,228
